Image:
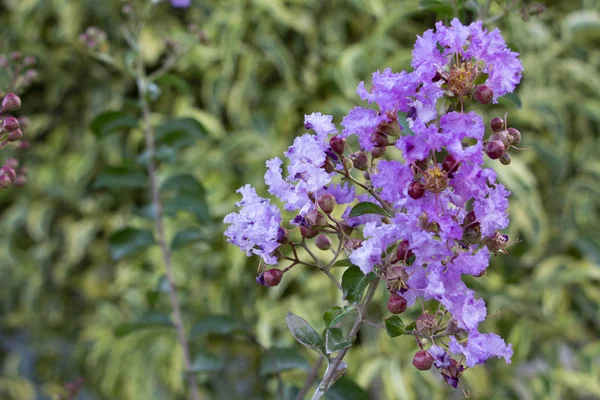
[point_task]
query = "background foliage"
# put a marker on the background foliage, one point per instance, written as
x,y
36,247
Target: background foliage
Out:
x,y
82,283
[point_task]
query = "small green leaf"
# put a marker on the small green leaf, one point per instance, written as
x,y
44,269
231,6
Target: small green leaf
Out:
x,y
183,184
303,332
335,340
282,359
129,241
174,81
194,206
122,177
511,99
440,7
394,326
187,236
335,315
207,362
111,122
342,263
354,283
346,389
180,132
150,320
411,327
214,324
367,207
481,78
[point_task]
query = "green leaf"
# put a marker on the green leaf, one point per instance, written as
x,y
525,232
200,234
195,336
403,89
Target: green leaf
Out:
x,y
394,326
215,324
367,207
150,320
342,263
354,283
335,315
187,194
174,81
411,327
123,177
510,99
440,7
187,236
129,241
346,389
303,332
111,122
481,78
335,340
282,359
180,132
183,184
194,206
207,362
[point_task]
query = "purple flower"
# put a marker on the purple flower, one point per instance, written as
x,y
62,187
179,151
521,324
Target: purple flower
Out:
x,y
362,122
256,227
480,347
181,3
441,358
321,124
379,238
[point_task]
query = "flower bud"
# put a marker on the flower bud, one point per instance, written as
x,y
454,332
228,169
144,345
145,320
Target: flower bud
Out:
x,y
483,94
505,159
15,135
8,171
360,160
328,166
12,162
379,139
403,252
338,144
322,242
497,124
315,219
10,124
20,181
450,165
272,277
514,136
348,163
422,360
327,203
308,233
426,324
416,190
378,152
11,102
494,149
5,181
396,304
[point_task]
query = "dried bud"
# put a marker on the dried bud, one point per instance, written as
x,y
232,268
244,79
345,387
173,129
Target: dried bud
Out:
x,y
416,190
360,160
11,102
322,242
338,144
5,181
497,124
328,166
514,136
379,139
327,203
422,360
426,324
494,149
505,159
10,124
308,233
272,277
378,152
315,219
396,304
483,94
403,252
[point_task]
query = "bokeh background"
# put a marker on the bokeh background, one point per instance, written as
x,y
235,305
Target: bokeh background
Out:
x,y
79,301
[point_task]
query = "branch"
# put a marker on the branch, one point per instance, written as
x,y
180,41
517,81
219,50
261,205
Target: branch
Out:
x,y
310,379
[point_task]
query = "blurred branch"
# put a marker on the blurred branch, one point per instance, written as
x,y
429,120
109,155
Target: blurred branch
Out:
x,y
310,378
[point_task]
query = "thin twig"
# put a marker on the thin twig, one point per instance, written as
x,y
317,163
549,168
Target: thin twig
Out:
x,y
166,254
321,266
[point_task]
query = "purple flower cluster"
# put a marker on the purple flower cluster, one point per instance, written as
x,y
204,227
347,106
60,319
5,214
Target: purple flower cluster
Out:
x,y
441,210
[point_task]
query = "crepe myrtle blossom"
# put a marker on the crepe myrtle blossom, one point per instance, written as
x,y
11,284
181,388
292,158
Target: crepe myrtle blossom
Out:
x,y
181,3
415,206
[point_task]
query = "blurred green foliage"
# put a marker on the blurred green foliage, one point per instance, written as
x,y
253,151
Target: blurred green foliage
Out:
x,y
83,292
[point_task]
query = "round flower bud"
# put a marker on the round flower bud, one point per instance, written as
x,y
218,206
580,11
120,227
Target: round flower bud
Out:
x,y
378,152
483,94
514,136
403,252
8,171
315,219
497,124
494,149
272,277
450,165
327,203
360,160
10,124
347,229
379,139
15,135
20,181
416,190
322,242
422,360
338,144
308,233
396,304
505,159
12,162
5,181
11,102
348,163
